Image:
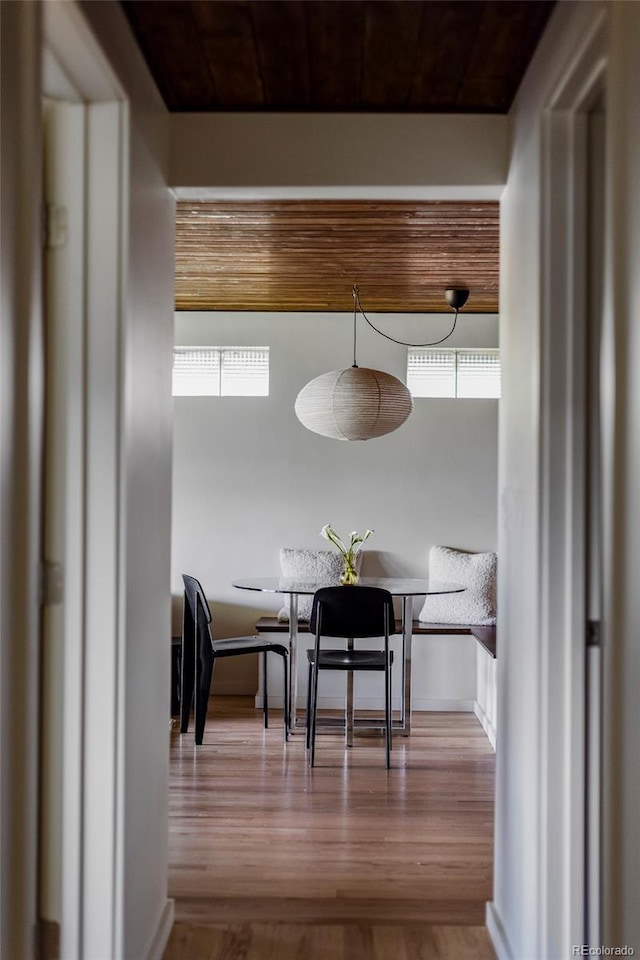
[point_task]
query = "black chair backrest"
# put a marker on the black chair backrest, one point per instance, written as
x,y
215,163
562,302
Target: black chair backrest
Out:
x,y
196,614
193,592
353,612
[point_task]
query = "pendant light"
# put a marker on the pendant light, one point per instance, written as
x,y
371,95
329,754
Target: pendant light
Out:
x,y
359,403
356,403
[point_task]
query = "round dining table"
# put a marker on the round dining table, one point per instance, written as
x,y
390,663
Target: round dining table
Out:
x,y
405,588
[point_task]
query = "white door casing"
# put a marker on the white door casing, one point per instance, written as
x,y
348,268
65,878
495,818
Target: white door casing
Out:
x,y
63,522
86,195
539,900
564,475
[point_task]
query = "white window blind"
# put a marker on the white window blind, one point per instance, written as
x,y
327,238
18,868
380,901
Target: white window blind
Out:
x,y
196,372
220,371
431,373
453,373
245,372
478,373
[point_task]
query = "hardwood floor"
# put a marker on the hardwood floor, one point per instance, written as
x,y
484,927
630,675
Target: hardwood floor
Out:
x,y
269,859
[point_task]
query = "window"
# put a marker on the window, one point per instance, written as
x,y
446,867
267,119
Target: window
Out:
x,y
453,373
221,371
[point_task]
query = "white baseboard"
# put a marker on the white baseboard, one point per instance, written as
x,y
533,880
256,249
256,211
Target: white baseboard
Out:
x,y
487,725
497,933
432,705
163,932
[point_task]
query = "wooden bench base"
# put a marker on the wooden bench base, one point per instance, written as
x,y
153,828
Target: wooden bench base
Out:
x,y
486,636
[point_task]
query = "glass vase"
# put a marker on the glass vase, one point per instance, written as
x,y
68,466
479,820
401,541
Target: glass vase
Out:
x,y
349,574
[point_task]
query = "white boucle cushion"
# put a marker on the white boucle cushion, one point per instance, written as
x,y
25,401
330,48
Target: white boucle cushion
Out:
x,y
316,566
476,572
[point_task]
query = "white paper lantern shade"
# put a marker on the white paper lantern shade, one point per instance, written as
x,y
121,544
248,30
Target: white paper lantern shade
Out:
x,y
354,404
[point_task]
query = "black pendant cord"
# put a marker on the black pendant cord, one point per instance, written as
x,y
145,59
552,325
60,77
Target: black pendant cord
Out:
x,y
402,343
355,324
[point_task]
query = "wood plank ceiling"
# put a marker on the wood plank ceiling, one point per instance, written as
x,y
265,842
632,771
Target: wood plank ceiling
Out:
x,y
337,55
306,256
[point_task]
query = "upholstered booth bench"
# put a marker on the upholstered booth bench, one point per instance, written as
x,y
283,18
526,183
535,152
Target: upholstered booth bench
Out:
x,y
485,702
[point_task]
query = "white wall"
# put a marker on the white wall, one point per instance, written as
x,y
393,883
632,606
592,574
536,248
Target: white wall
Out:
x,y
410,156
249,478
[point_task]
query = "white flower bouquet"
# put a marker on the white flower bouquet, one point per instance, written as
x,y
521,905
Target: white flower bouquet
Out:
x,y
349,551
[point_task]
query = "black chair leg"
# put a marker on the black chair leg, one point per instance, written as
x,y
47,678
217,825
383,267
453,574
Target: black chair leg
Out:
x,y
387,701
176,681
187,678
203,689
314,706
390,707
308,716
265,695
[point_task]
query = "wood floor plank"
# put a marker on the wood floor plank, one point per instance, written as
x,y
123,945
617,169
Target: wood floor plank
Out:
x,y
271,859
310,910
284,941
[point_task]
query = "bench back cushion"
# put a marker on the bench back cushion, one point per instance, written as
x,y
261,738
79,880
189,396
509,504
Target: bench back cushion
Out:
x,y
476,572
317,566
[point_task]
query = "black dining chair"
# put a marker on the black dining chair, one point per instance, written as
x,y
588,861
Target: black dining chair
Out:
x,y
200,652
352,613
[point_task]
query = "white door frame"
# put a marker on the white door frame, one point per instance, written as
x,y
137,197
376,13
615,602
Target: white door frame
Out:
x,y
62,650
563,466
87,866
